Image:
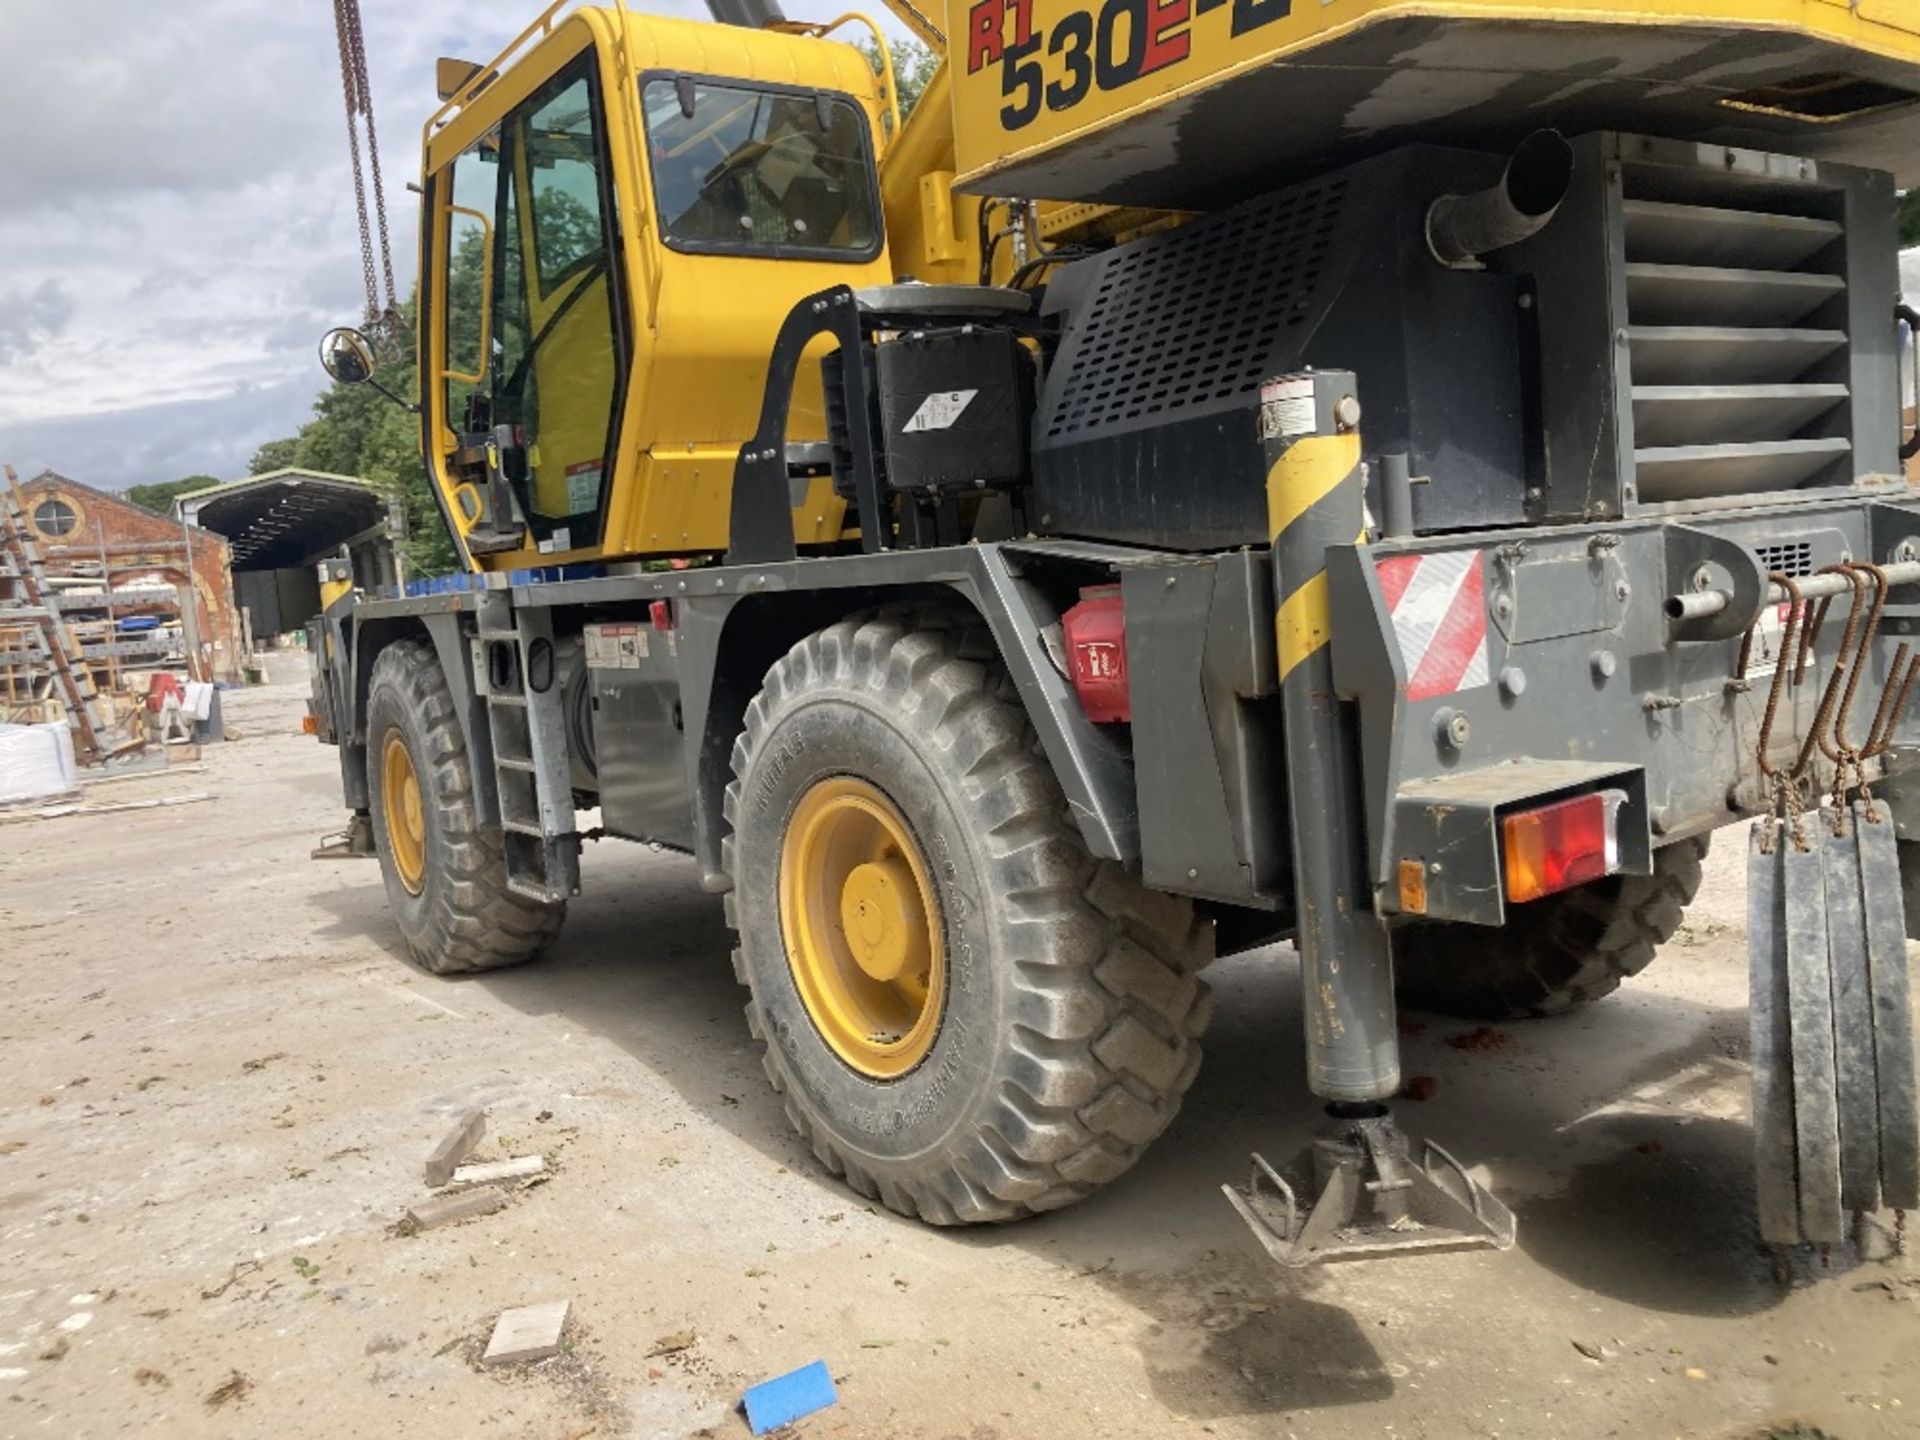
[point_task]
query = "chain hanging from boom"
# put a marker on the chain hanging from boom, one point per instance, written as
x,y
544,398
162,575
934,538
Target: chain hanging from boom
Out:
x,y
383,308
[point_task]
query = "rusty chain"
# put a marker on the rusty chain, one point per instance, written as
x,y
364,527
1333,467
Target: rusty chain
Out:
x,y
1781,788
383,311
1827,734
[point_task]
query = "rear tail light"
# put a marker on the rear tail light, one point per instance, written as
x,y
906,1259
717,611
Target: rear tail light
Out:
x,y
1559,846
1096,634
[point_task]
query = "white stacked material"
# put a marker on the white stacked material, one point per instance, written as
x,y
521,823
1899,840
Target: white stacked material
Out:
x,y
36,763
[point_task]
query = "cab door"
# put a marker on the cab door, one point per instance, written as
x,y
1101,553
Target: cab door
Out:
x,y
559,355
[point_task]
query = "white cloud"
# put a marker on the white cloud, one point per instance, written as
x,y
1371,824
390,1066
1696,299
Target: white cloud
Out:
x,y
176,215
28,318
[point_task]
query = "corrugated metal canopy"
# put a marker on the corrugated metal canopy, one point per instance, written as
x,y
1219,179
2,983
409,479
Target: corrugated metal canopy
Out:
x,y
286,518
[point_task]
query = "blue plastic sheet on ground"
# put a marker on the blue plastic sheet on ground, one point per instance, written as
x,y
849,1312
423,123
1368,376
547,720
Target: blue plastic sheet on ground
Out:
x,y
781,1401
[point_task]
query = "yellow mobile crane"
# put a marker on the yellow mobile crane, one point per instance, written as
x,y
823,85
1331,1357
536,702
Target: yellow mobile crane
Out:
x,y
1394,475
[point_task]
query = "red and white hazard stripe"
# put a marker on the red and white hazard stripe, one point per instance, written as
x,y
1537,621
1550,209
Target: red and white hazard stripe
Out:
x,y
1439,609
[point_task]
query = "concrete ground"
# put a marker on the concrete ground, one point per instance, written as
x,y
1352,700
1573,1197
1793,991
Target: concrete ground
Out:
x,y
218,1079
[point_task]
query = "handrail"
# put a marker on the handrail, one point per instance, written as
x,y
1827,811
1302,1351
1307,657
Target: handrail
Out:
x,y
886,64
636,205
541,27
923,25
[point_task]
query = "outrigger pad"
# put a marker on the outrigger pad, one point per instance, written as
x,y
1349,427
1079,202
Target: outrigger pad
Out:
x,y
353,843
1374,1200
1835,1119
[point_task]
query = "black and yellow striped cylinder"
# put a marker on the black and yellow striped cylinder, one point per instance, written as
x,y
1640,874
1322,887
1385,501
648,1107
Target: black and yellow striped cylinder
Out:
x,y
1316,500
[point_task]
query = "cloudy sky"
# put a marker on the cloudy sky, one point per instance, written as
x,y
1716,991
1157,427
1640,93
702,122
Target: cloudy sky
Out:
x,y
176,215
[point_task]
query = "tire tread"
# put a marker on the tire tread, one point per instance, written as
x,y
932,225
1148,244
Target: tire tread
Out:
x,y
1108,1009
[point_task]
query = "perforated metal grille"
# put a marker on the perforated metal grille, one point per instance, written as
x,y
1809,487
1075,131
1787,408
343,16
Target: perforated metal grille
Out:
x,y
1175,324
1789,557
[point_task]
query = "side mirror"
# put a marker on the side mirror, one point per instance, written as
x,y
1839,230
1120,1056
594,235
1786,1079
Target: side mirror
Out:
x,y
347,356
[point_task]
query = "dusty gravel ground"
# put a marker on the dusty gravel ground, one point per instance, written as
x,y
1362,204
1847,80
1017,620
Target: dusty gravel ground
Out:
x,y
220,1078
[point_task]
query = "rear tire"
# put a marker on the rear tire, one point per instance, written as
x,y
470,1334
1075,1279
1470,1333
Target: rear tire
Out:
x,y
1070,1008
445,873
1552,955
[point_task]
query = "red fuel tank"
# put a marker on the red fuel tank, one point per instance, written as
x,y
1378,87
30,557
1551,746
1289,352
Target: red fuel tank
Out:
x,y
1096,636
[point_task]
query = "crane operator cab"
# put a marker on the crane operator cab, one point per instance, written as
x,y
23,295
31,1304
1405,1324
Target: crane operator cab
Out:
x,y
563,296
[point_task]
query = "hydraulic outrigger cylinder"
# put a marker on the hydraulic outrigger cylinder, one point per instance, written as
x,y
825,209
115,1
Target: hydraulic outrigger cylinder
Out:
x,y
1375,1191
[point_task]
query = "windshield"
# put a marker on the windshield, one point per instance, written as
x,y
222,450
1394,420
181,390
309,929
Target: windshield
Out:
x,y
755,171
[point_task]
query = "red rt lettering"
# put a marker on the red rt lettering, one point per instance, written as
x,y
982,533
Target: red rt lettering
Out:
x,y
1163,49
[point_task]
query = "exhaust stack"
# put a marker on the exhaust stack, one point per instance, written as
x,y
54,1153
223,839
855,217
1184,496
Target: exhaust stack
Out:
x,y
1463,228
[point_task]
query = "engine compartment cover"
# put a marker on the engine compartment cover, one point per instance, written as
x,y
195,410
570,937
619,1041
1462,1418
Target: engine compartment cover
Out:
x,y
1187,104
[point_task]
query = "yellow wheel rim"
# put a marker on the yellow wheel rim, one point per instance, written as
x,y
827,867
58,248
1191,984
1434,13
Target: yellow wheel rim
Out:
x,y
406,822
861,923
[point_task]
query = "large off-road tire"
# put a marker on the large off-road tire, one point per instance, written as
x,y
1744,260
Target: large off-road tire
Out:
x,y
445,873
1553,954
1059,1024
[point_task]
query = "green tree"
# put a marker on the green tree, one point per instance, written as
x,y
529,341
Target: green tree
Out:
x,y
913,67
357,431
159,497
1910,218
274,455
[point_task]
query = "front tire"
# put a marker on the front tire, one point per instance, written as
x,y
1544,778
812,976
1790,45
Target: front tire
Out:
x,y
446,874
1039,1024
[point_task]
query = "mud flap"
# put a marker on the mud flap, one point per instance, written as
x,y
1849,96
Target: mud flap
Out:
x,y
1836,1128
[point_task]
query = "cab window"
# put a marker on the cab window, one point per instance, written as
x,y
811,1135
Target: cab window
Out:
x,y
749,170
475,186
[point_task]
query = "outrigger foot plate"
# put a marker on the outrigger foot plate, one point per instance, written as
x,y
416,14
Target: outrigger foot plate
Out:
x,y
353,843
1375,1200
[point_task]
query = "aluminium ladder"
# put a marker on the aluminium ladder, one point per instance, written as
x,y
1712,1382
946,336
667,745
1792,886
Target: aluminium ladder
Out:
x,y
69,664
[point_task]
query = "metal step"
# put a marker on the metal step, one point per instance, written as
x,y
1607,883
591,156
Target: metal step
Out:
x,y
530,769
1662,233
1716,295
1697,472
1721,355
1669,415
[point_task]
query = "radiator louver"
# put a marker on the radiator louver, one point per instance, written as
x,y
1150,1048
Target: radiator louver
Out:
x,y
1736,349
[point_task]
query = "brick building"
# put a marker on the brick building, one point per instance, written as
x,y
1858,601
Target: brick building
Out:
x,y
71,521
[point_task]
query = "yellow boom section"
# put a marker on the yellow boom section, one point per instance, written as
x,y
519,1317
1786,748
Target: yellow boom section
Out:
x,y
1189,103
